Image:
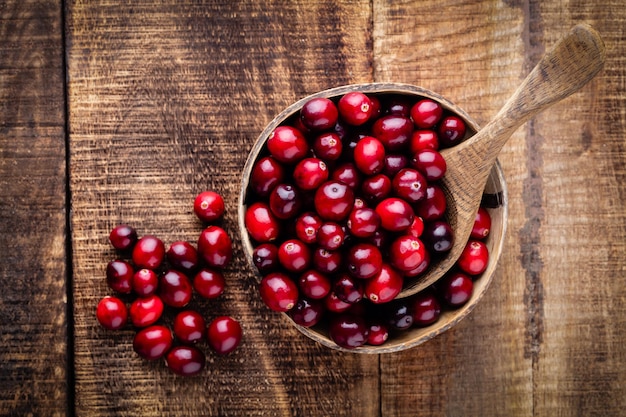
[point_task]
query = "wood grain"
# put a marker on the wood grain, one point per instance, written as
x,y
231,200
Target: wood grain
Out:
x,y
33,314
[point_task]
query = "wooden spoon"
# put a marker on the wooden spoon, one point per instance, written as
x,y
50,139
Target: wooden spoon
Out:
x,y
571,64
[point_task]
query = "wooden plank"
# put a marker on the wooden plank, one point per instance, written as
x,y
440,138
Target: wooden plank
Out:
x,y
474,55
165,100
33,353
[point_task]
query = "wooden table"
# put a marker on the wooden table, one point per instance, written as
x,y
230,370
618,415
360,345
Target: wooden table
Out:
x,y
124,112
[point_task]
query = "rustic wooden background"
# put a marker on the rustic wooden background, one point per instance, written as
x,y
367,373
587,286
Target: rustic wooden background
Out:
x,y
123,111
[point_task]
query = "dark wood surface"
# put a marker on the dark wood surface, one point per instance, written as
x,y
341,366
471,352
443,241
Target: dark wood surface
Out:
x,y
123,112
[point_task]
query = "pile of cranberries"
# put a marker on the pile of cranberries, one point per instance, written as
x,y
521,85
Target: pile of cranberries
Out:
x,y
149,279
344,205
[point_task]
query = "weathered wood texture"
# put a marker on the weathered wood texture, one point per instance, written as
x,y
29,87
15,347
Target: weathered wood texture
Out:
x,y
33,319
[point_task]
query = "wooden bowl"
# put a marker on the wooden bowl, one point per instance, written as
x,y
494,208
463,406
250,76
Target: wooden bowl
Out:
x,y
495,199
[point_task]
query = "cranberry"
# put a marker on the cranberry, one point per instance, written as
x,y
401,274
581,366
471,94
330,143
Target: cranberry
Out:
x,y
394,163
369,155
310,173
363,222
285,201
307,313
287,144
426,113
364,260
426,309
266,174
209,283
319,114
376,188
378,334
451,131
482,224
149,252
119,274
438,236
112,313
153,342
185,360
224,334
434,206
348,331
393,131
265,257
347,173
348,289
457,288
182,255
261,223
409,185
417,227
294,255
334,201
399,315
215,247
335,304
424,139
355,108
145,282
407,253
420,268
307,226
385,286
430,163
326,261
209,206
175,289
123,237
474,258
376,107
396,214
398,105
145,311
189,326
330,236
328,146
314,284
278,291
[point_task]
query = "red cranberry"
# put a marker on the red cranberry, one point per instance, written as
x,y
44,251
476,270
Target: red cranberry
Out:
x,y
348,331
149,252
355,108
182,255
266,174
400,315
430,163
123,237
215,247
434,206
348,289
112,313
407,253
369,155
334,201
451,131
347,173
175,289
482,224
376,187
287,144
278,291
420,268
145,311
319,114
185,360
417,227
307,313
330,236
438,236
294,255
189,326
378,334
209,206
394,163
398,105
396,214
363,222
426,113
424,139
409,185
285,201
145,282
364,260
326,261
265,257
119,274
307,226
393,131
457,289
153,342
426,309
314,284
261,223
385,286
209,283
376,107
328,146
334,304
310,173
224,334
474,258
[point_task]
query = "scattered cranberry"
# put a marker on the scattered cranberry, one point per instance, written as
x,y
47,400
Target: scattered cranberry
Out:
x,y
189,326
348,289
185,360
119,275
224,334
400,315
209,283
145,311
363,222
149,252
123,237
175,289
409,185
482,224
182,255
209,206
364,260
145,282
153,342
112,313
438,236
215,247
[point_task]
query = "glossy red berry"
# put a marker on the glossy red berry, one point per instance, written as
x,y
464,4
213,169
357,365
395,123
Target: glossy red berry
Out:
x,y
327,261
429,163
376,188
348,331
119,275
334,201
393,131
330,236
189,326
434,206
334,304
426,113
438,236
294,255
355,108
451,131
285,201
278,291
310,173
145,311
396,214
348,174
307,226
385,286
319,114
328,146
394,163
209,206
153,342
378,333
407,253
423,139
399,315
215,247
314,284
175,289
457,289
307,313
185,360
348,289
287,144
123,237
364,260
417,227
112,313
149,252
266,174
363,222
209,283
474,258
409,185
369,155
426,309
260,223
144,282
183,256
482,224
224,334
